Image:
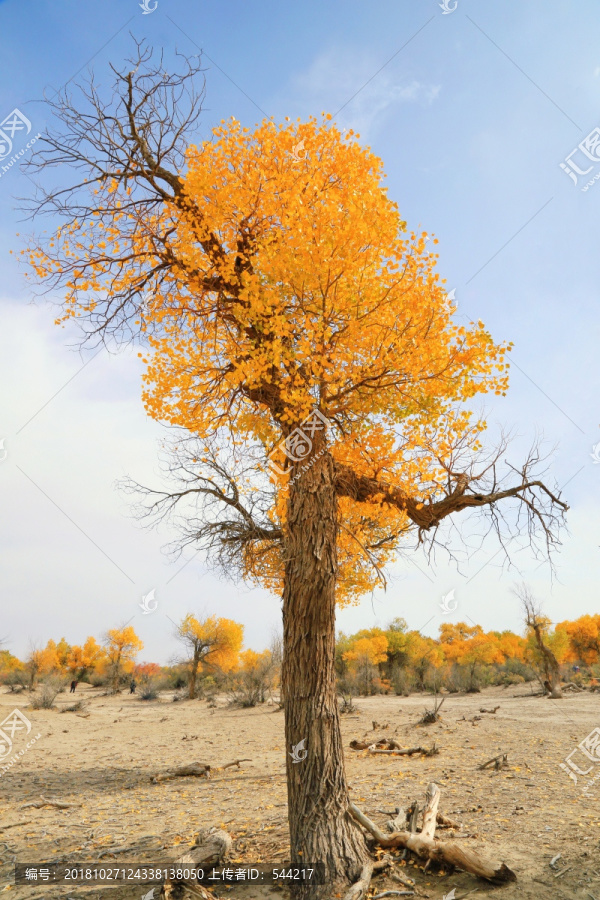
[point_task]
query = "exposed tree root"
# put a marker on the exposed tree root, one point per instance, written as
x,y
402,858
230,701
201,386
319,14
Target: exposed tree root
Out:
x,y
359,888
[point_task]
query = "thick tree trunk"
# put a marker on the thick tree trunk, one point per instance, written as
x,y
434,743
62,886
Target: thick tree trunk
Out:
x,y
321,829
193,678
551,667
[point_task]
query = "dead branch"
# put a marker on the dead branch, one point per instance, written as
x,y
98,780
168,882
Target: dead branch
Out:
x,y
445,822
425,846
500,762
410,751
211,847
236,762
494,710
43,801
402,879
194,770
394,894
431,716
197,770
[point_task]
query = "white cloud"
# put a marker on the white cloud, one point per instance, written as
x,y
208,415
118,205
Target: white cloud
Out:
x,y
339,74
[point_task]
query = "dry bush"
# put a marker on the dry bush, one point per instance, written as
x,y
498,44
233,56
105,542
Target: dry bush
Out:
x,y
45,696
180,695
79,706
347,704
149,691
430,716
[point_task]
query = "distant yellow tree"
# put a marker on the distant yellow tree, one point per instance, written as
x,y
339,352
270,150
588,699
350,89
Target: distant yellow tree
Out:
x,y
256,675
364,655
82,660
122,645
470,647
584,638
212,642
424,654
63,650
9,665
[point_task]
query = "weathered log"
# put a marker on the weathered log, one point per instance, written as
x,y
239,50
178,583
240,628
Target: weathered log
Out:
x,y
428,848
410,751
432,799
196,769
392,748
494,710
211,848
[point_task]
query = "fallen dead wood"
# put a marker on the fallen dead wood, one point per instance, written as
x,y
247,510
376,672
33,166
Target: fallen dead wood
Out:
x,y
193,770
411,751
500,762
236,762
197,770
445,822
394,894
44,801
382,744
211,848
402,879
427,847
391,747
494,710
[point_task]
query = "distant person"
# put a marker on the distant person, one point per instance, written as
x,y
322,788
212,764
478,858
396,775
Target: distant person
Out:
x,y
73,686
132,686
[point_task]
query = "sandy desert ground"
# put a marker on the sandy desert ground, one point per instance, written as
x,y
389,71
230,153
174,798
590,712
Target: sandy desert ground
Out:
x,y
101,765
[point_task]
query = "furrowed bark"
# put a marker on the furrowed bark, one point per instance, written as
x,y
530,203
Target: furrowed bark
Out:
x,y
320,828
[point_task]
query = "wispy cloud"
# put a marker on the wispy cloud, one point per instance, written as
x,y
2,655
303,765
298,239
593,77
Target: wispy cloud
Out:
x,y
337,74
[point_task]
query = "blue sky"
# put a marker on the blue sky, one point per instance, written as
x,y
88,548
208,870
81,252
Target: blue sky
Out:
x,y
472,112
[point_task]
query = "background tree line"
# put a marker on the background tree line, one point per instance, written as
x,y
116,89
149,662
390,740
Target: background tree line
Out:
x,y
376,660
